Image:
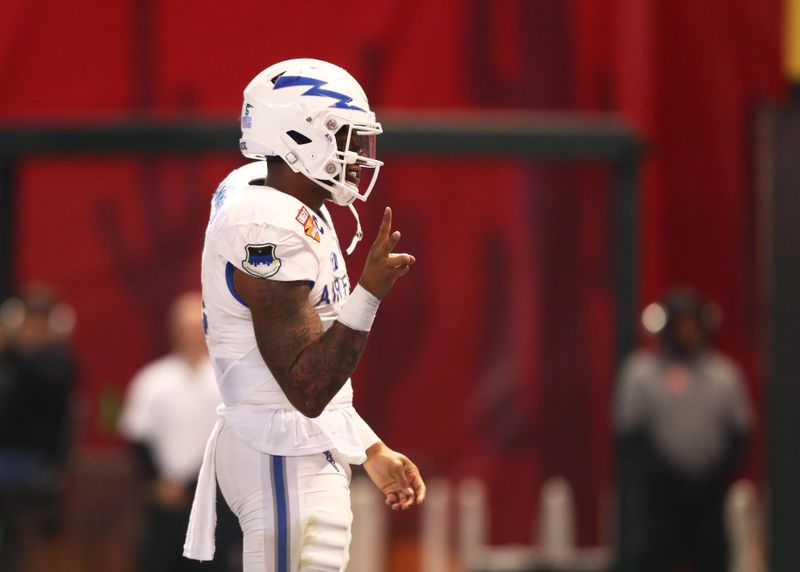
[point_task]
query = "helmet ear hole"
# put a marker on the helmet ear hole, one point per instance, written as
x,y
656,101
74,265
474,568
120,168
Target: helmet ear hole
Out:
x,y
298,137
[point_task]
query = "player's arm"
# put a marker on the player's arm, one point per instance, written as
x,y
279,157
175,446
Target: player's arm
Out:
x,y
311,364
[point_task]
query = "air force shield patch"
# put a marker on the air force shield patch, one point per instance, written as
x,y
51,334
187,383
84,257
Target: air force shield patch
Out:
x,y
261,261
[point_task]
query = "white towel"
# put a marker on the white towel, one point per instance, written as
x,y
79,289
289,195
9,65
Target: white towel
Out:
x,y
203,520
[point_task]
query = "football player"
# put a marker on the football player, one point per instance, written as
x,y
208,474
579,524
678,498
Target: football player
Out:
x,y
285,330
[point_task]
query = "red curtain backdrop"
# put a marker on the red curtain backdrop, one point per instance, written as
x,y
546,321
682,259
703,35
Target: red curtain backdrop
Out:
x,y
493,357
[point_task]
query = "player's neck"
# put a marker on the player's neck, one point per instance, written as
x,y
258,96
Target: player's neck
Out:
x,y
282,178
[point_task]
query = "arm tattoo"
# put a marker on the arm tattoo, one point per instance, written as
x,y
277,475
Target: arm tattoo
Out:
x,y
322,367
311,365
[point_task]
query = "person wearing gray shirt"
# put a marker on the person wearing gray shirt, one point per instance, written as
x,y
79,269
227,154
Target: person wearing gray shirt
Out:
x,y
682,418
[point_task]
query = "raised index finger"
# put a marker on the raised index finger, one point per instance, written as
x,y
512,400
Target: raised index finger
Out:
x,y
386,226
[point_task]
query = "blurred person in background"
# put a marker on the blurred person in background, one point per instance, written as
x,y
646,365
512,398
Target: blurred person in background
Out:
x,y
168,414
37,378
682,419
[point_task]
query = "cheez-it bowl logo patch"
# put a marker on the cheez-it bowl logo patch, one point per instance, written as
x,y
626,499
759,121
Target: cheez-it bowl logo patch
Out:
x,y
261,260
309,223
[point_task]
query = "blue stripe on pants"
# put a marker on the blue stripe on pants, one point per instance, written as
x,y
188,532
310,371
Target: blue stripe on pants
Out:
x,y
281,514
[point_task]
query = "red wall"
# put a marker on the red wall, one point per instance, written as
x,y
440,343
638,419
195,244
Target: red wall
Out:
x,y
493,357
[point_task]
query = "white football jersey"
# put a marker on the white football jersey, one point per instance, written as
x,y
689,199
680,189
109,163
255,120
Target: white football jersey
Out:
x,y
273,236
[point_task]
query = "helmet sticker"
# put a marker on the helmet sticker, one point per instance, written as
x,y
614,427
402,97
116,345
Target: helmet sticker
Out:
x,y
247,120
315,88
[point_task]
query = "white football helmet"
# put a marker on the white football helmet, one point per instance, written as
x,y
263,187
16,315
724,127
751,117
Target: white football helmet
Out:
x,y
315,116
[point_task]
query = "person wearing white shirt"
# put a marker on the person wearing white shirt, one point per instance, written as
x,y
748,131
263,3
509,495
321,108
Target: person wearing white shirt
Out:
x,y
168,414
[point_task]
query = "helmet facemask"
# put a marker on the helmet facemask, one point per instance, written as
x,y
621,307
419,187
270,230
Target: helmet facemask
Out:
x,y
350,170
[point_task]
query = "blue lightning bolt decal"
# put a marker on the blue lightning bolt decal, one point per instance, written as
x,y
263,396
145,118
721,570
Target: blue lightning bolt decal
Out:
x,y
316,89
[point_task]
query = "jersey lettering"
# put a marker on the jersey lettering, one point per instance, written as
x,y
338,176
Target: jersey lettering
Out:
x,y
324,297
336,293
339,289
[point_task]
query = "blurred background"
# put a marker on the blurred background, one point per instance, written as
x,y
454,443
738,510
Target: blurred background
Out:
x,y
556,166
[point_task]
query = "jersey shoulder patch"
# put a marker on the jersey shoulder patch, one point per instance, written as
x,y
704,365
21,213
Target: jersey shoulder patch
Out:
x,y
260,260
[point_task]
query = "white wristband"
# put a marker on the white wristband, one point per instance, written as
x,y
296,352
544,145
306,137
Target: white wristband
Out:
x,y
358,311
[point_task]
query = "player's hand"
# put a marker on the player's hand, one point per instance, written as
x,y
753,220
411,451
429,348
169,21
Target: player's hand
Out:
x,y
396,476
384,267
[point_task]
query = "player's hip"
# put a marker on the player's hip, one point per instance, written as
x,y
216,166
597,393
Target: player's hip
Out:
x,y
294,511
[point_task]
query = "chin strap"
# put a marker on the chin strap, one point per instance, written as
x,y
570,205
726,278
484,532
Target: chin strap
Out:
x,y
359,235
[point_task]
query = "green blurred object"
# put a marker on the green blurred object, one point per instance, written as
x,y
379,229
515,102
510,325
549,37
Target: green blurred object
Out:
x,y
109,408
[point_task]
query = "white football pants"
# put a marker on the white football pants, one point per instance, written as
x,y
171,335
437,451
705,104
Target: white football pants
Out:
x,y
294,511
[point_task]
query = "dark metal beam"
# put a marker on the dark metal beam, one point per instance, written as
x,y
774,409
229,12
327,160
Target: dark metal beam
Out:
x,y
558,137
7,226
781,175
547,136
129,136
625,248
